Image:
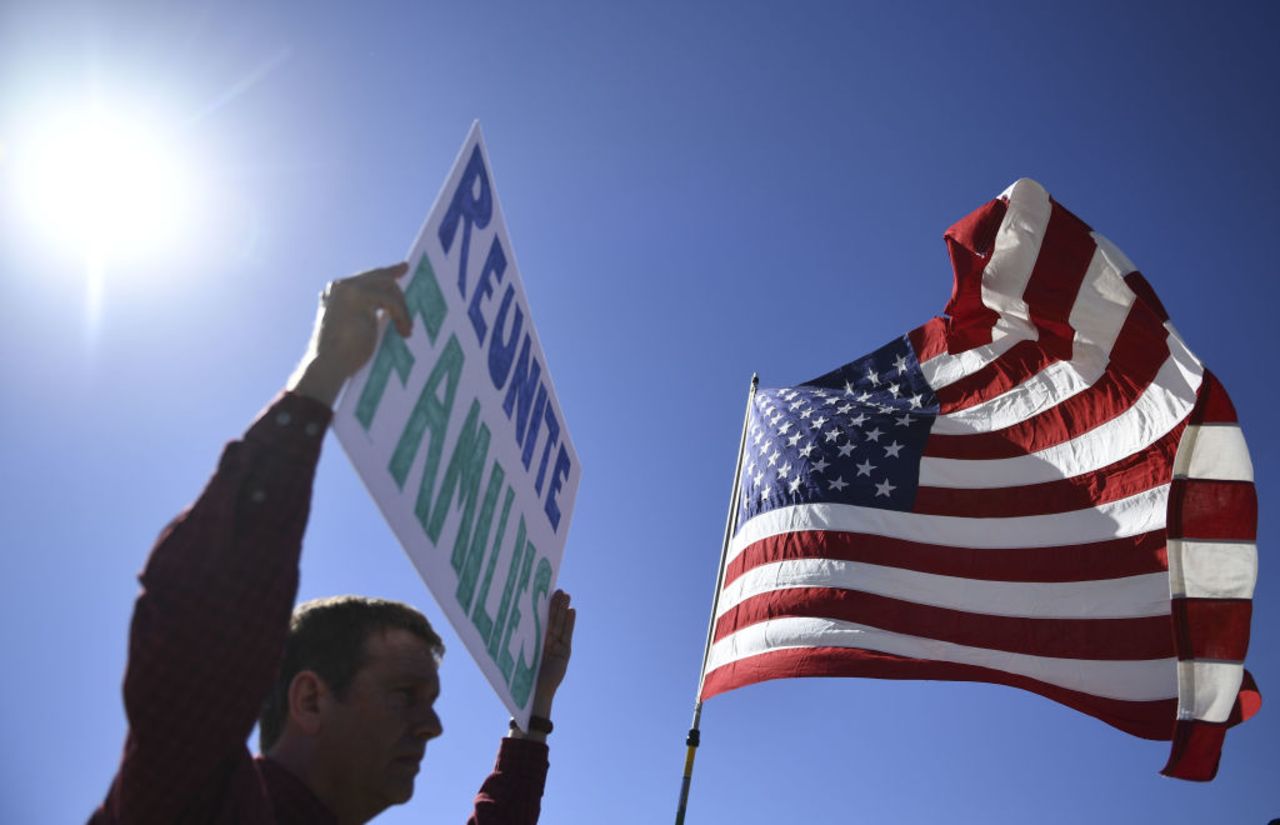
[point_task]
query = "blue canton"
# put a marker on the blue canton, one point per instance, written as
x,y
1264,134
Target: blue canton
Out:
x,y
852,436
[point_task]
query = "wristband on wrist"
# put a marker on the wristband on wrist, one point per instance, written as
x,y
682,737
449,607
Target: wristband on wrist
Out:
x,y
537,724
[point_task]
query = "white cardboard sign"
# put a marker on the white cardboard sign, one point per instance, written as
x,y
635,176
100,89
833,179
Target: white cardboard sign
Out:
x,y
458,435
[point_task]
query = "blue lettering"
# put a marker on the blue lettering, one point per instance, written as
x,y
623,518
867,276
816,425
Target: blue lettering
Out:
x,y
495,264
535,424
553,436
473,205
558,476
502,354
523,384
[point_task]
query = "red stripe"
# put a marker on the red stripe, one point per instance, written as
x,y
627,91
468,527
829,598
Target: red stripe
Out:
x,y
1213,405
1129,476
1197,744
1146,294
1139,351
1150,720
970,242
1147,637
1112,559
929,340
1197,747
1061,264
1201,509
1023,360
1216,629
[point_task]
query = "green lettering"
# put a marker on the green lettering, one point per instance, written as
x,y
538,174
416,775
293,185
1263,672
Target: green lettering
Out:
x,y
479,616
522,682
466,562
426,301
525,565
430,413
393,353
466,466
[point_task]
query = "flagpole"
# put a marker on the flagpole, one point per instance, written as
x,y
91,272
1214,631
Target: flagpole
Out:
x,y
730,521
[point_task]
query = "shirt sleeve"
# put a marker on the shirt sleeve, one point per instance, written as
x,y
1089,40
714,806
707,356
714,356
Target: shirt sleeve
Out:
x,y
209,625
512,795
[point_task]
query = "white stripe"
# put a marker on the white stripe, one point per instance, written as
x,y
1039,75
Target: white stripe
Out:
x,y
1213,451
1207,690
1212,569
1134,681
1101,308
1166,402
1013,257
1102,305
1051,386
1130,516
1122,598
944,369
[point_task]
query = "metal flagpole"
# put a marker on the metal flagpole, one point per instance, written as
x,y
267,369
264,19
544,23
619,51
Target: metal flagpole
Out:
x,y
730,521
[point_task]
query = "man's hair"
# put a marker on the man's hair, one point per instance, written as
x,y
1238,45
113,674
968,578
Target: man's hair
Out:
x,y
327,636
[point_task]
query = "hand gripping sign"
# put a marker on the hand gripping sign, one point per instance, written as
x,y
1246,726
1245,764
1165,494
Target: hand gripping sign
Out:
x,y
458,435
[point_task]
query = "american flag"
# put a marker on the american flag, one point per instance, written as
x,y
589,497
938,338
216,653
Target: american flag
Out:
x,y
1044,489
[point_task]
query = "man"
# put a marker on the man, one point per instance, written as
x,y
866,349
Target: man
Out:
x,y
351,710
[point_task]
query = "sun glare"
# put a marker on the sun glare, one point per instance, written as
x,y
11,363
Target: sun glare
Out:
x,y
106,182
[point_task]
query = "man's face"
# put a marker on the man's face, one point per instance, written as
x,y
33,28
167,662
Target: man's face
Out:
x,y
375,737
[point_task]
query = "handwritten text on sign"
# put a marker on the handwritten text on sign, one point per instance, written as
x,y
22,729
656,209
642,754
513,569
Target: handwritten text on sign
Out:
x,y
458,434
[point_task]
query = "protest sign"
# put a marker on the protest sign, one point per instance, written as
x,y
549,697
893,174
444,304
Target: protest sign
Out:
x,y
457,433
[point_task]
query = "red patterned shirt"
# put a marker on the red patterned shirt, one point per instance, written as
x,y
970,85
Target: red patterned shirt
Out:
x,y
207,637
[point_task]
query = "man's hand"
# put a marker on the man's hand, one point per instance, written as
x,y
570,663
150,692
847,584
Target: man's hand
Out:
x,y
556,649
346,330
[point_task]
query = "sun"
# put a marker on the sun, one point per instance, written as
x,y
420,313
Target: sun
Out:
x,y
105,181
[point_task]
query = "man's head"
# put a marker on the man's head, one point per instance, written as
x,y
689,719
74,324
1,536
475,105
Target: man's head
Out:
x,y
352,708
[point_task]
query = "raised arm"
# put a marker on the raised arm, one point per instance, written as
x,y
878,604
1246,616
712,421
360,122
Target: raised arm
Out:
x,y
209,625
512,795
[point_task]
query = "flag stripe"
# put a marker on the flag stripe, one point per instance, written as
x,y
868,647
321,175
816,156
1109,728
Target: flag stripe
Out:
x,y
1220,510
993,378
945,369
1214,451
1053,405
1216,629
958,423
1130,680
1161,407
1017,245
929,339
1197,745
1127,517
1149,719
1120,639
1214,406
1212,569
1103,306
1124,478
1112,558
1213,686
1124,598
1061,265
1211,499
1196,750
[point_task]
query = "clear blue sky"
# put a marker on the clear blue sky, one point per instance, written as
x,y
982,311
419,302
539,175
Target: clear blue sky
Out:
x,y
694,191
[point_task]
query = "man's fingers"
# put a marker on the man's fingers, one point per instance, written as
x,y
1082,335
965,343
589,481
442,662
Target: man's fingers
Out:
x,y
566,635
555,614
390,299
378,289
394,271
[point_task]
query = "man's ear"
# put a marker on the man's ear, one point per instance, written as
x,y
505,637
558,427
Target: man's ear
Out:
x,y
308,696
